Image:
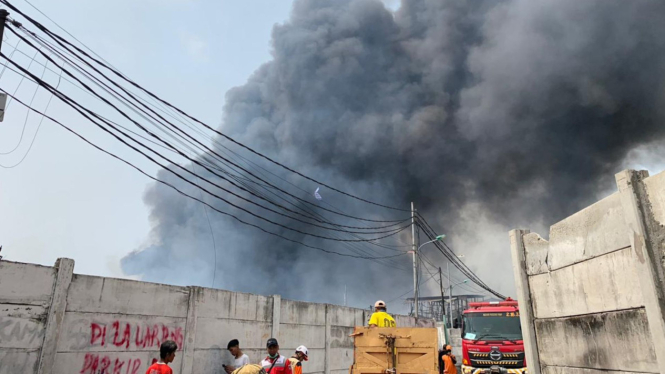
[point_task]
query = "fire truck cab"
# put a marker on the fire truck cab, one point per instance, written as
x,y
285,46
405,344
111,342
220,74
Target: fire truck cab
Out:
x,y
492,338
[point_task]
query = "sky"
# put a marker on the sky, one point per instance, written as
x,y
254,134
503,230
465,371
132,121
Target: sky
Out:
x,y
67,199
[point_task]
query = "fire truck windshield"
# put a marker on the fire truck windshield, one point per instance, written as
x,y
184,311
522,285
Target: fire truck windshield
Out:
x,y
501,325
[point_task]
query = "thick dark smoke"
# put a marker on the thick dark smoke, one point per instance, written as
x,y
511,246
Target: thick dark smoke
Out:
x,y
488,114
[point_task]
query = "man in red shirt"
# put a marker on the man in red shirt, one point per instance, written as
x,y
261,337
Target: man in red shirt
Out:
x,y
275,363
166,356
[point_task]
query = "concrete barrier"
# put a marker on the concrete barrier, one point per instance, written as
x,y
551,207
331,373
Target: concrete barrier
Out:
x,y
591,298
55,321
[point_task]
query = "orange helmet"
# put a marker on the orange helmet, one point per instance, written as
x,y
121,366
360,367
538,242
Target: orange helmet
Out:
x,y
380,304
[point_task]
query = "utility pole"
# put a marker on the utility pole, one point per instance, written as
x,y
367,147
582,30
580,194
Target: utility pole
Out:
x,y
3,18
443,301
415,256
450,295
3,96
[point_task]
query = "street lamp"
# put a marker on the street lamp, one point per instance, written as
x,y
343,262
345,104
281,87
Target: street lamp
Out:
x,y
415,272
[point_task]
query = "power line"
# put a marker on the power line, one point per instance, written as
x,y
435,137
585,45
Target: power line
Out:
x,y
182,192
27,113
450,255
39,125
411,290
59,39
144,138
206,164
391,232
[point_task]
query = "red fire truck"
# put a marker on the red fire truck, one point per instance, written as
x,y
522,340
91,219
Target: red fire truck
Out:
x,y
492,338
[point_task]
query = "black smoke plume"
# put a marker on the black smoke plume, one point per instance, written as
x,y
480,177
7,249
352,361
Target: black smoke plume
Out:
x,y
489,115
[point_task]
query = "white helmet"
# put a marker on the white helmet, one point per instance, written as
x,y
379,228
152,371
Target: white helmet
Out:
x,y
380,304
302,349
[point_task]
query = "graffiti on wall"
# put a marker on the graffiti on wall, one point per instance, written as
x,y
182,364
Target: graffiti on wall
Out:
x,y
21,332
134,336
120,346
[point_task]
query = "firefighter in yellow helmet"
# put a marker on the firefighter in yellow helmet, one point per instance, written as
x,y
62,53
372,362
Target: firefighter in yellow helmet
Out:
x,y
380,318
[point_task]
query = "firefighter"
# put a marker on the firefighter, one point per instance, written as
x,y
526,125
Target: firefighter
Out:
x,y
449,361
380,318
297,359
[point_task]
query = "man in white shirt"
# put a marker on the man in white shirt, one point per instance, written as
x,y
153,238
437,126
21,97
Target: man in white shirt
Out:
x,y
241,359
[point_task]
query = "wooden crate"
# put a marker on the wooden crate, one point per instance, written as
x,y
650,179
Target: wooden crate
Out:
x,y
415,351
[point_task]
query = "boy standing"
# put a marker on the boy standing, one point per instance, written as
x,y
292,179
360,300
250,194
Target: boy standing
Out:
x,y
166,356
241,359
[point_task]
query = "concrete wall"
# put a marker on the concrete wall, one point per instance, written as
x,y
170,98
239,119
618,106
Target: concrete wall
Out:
x,y
25,295
591,298
54,321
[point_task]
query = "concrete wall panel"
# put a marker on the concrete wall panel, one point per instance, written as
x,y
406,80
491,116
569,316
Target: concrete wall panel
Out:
x,y
606,341
113,325
108,362
291,336
299,312
216,333
88,332
601,284
18,361
316,363
211,360
26,283
341,358
537,252
596,230
655,186
108,295
567,370
226,304
339,337
344,316
22,326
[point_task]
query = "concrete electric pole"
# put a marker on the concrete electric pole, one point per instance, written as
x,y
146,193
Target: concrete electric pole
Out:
x,y
443,300
415,260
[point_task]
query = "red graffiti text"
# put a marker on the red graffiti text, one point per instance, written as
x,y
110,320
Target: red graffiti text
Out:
x,y
126,335
96,364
